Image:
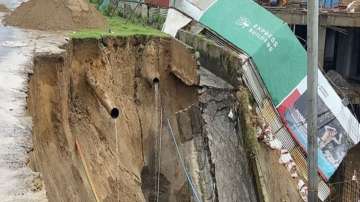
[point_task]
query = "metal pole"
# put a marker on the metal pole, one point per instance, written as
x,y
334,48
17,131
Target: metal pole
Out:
x,y
312,83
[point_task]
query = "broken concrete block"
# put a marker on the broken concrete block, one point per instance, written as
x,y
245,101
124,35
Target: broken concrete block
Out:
x,y
183,63
184,122
190,123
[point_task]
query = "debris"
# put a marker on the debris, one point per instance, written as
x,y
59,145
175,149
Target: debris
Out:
x,y
303,189
291,167
285,157
175,21
353,6
56,15
231,114
189,122
209,79
268,138
354,177
275,144
183,63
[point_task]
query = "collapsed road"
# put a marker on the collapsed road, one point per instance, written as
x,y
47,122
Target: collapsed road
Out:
x,y
17,181
127,113
71,138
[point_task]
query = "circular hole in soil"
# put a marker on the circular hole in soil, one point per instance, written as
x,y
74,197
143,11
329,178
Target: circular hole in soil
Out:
x,y
115,112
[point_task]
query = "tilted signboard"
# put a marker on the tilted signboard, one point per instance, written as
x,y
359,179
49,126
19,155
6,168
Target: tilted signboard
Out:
x,y
281,62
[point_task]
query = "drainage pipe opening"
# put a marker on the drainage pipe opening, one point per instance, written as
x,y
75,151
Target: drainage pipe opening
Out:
x,y
114,113
156,80
102,96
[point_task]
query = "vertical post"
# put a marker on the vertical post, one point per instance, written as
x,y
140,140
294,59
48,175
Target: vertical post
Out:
x,y
312,83
322,44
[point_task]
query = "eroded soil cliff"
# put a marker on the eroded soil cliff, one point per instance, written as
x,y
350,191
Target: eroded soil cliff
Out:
x,y
85,155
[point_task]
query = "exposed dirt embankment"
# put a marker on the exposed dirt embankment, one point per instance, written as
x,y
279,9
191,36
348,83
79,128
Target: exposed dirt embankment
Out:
x,y
74,136
56,15
85,155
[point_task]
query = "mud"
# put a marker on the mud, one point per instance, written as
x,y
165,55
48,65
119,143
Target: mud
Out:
x,y
56,15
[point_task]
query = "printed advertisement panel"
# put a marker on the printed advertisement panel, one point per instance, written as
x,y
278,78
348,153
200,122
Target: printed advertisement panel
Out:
x,y
280,60
337,132
332,140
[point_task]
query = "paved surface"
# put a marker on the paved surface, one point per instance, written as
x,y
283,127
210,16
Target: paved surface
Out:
x,y
17,47
11,4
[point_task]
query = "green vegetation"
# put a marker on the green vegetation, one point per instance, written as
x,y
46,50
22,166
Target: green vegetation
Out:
x,y
96,2
118,27
154,20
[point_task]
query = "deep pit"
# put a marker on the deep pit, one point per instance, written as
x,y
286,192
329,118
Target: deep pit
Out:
x,y
120,116
73,134
84,154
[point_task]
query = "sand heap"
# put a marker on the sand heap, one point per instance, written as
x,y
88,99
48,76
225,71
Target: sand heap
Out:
x,y
3,8
56,15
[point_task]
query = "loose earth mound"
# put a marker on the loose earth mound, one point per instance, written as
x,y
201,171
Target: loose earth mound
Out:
x,y
3,8
56,15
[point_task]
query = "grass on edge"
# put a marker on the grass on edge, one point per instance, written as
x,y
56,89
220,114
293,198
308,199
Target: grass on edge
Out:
x,y
118,27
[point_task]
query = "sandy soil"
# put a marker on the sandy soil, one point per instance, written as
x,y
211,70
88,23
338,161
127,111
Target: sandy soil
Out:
x,y
70,114
84,155
56,15
3,8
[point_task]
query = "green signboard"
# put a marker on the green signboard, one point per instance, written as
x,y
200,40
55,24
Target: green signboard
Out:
x,y
281,62
265,38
